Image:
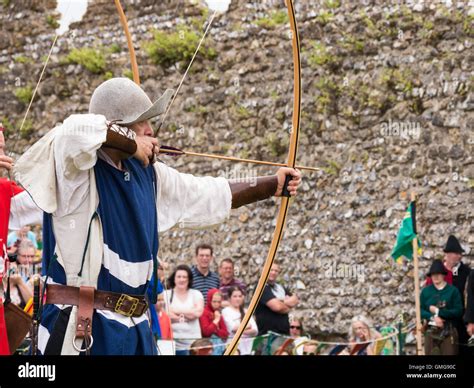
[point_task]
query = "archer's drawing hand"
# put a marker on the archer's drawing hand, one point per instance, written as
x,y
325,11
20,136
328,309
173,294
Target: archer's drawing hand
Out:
x,y
147,146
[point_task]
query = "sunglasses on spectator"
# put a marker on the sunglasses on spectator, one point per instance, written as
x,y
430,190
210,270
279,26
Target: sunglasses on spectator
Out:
x,y
309,354
295,327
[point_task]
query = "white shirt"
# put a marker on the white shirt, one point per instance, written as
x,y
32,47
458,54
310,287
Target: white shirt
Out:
x,y
185,332
232,319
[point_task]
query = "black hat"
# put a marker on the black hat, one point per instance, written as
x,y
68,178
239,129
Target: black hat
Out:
x,y
453,246
437,267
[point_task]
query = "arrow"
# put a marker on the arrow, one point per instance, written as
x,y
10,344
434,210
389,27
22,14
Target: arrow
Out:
x,y
167,150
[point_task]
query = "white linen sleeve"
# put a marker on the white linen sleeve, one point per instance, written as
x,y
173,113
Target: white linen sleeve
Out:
x,y
75,150
188,201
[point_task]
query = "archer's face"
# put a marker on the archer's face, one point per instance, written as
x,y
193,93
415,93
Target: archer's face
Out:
x,y
143,128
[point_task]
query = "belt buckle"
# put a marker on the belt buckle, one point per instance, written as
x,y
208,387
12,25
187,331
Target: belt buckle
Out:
x,y
126,298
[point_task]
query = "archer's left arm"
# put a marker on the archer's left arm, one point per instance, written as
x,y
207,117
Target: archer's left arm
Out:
x,y
256,189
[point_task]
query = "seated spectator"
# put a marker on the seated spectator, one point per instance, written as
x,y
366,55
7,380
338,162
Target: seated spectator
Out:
x,y
185,306
363,337
212,322
441,305
297,333
227,280
201,347
24,233
310,349
233,315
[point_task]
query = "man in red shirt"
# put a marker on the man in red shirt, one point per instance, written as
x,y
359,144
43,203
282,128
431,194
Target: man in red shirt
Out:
x,y
7,190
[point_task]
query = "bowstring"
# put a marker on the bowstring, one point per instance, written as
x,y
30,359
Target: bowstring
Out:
x,y
211,19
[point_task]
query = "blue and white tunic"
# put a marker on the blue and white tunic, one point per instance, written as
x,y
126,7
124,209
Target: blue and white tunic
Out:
x,y
127,213
117,215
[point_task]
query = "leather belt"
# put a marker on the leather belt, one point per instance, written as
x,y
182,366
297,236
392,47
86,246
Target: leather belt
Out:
x,y
128,305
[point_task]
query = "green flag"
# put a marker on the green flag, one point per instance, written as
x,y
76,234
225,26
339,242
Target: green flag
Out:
x,y
406,234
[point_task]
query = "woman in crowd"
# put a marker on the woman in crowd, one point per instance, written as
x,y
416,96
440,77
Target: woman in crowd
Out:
x,y
233,315
212,322
363,337
297,333
185,307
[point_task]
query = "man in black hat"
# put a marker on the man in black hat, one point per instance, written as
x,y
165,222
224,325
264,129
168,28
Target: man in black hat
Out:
x,y
457,275
441,306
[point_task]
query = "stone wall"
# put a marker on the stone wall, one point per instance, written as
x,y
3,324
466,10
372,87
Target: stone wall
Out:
x,y
387,108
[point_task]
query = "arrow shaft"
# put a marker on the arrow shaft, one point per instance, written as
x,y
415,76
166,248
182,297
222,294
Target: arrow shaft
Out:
x,y
234,159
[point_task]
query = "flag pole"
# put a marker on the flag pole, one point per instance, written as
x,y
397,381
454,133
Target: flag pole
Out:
x,y
419,348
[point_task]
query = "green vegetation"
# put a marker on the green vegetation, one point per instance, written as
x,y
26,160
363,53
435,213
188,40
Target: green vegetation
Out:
x,y
428,25
275,18
400,80
324,17
23,59
9,127
352,44
197,109
332,168
24,94
468,25
276,145
52,21
426,29
27,129
328,93
244,153
242,112
115,48
280,116
93,60
332,4
168,48
319,55
128,73
108,75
